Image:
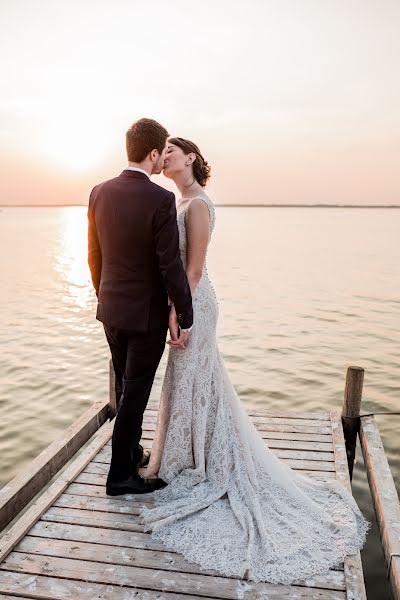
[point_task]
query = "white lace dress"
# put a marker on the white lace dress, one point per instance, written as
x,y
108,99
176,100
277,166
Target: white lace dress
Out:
x,y
231,505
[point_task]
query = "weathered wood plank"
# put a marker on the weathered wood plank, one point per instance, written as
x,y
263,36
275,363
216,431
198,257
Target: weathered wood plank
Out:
x,y
384,496
159,580
18,530
148,436
16,494
98,491
289,419
296,459
355,586
51,588
92,518
304,454
309,438
318,449
320,475
95,535
297,427
308,416
100,535
152,411
149,559
312,423
294,464
288,428
117,504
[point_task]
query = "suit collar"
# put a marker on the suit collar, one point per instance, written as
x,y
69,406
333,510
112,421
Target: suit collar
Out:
x,y
134,174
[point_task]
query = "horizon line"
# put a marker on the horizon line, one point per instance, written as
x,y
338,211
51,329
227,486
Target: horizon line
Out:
x,y
274,205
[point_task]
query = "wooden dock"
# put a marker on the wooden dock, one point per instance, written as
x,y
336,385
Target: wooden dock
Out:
x,y
75,542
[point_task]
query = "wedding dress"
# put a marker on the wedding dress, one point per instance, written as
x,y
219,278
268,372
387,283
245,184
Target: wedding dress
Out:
x,y
231,505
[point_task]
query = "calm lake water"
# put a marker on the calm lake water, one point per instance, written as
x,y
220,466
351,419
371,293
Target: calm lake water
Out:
x,y
303,293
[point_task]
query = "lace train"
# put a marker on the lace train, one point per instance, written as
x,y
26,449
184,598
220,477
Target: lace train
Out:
x,y
231,505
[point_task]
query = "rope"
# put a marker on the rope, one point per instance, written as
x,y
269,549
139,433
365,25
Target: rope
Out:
x,y
372,415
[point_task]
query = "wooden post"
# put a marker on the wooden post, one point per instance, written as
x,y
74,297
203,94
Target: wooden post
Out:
x,y
112,393
350,410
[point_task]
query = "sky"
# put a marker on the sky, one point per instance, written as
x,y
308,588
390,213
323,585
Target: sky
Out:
x,y
291,101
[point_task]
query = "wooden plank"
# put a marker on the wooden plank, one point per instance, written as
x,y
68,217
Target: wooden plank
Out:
x,y
42,587
160,580
98,491
304,454
16,494
271,424
312,465
292,418
308,416
95,535
18,530
313,423
296,428
299,445
100,535
384,496
102,469
354,577
117,504
149,559
92,518
285,444
105,453
274,435
152,411
280,425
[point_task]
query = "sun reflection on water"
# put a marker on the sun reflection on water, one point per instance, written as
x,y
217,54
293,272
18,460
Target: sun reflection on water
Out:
x,y
72,259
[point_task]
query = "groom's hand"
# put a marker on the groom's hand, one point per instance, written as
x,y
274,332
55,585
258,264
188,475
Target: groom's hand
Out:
x,y
181,341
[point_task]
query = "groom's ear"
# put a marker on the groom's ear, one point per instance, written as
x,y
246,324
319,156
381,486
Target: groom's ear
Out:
x,y
154,154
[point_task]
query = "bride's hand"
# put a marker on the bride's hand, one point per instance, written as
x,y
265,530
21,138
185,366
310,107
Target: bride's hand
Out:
x,y
181,342
173,324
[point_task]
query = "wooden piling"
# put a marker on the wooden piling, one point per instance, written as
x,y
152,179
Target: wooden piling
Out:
x,y
351,410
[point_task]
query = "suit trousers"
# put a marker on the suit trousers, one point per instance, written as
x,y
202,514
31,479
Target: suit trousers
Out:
x,y
135,356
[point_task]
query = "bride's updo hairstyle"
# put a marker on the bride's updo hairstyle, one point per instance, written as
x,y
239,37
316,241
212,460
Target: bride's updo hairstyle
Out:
x,y
201,168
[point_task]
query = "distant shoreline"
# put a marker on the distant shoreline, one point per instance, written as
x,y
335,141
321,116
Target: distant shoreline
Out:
x,y
224,205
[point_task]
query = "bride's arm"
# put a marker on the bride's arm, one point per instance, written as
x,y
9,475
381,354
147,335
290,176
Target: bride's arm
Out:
x,y
197,220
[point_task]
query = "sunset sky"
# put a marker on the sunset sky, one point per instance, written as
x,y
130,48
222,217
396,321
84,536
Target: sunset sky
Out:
x,y
291,101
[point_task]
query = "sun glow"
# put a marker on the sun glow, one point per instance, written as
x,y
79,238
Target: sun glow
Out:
x,y
72,259
75,145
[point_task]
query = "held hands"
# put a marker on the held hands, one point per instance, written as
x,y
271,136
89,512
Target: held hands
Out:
x,y
178,338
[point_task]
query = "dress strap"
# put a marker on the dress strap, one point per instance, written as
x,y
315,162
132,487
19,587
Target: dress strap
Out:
x,y
210,207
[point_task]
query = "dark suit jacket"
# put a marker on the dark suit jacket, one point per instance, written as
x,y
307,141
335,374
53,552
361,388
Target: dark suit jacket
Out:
x,y
133,254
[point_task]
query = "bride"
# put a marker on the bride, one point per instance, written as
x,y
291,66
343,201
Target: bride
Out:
x,y
230,504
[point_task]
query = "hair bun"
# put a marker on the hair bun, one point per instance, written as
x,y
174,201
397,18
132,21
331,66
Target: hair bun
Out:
x,y
201,168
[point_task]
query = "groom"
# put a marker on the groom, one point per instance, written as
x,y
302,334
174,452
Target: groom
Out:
x,y
134,260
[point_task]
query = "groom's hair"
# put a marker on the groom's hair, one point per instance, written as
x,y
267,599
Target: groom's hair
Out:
x,y
144,136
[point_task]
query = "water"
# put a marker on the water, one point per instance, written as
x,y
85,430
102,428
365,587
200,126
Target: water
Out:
x,y
303,294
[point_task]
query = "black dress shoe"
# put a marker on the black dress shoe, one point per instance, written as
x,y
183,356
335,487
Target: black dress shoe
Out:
x,y
134,485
